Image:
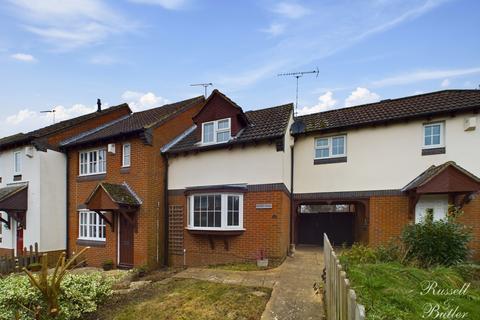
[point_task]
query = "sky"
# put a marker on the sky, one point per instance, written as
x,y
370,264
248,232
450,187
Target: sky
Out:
x,y
64,54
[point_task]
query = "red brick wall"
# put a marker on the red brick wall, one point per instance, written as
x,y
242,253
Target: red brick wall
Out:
x,y
266,229
146,177
471,218
6,252
102,118
388,216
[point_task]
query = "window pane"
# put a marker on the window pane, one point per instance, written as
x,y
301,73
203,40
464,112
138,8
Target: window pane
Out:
x,y
428,130
436,139
233,214
126,155
208,132
436,129
428,140
196,211
338,145
223,124
322,153
322,142
223,136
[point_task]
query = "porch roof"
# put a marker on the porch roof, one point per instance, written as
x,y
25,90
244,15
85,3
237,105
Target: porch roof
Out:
x,y
445,178
110,196
14,198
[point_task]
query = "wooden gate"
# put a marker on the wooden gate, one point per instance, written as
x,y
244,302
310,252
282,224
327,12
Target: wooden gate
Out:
x,y
340,299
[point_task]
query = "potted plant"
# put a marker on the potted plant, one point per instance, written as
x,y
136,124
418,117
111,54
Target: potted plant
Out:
x,y
34,267
262,261
107,265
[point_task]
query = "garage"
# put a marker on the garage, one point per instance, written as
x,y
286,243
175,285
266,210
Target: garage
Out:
x,y
342,222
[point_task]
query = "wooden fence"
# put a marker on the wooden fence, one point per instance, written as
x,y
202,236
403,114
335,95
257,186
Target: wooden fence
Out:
x,y
340,299
9,264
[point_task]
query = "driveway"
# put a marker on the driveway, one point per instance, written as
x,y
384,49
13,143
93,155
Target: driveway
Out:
x,y
293,295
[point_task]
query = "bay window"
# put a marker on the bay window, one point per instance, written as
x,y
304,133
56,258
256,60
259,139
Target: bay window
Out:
x,y
216,211
216,131
93,162
91,226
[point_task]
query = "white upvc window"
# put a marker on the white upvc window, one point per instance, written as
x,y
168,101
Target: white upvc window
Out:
x,y
126,150
93,162
216,131
17,162
91,226
331,147
433,135
216,211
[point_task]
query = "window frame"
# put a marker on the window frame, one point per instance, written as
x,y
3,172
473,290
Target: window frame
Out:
x,y
88,162
17,170
224,212
330,147
442,135
124,164
216,130
99,225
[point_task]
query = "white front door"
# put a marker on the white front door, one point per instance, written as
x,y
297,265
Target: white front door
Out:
x,y
438,203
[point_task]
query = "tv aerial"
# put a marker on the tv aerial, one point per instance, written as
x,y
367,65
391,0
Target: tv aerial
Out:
x,y
298,75
204,85
50,111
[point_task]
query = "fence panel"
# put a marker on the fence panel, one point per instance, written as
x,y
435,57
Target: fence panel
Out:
x,y
9,264
340,299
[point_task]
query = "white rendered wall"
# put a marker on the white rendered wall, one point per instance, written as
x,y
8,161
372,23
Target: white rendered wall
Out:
x,y
385,157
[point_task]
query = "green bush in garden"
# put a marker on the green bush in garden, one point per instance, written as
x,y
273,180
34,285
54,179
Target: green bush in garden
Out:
x,y
80,293
443,242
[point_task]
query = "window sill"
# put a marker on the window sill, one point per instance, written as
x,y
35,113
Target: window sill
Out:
x,y
330,160
432,151
91,243
216,232
92,177
124,169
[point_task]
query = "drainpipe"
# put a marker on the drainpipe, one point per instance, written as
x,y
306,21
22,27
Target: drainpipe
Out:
x,y
67,224
292,204
165,203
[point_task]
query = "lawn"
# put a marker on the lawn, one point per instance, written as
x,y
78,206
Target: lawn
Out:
x,y
186,299
394,291
247,266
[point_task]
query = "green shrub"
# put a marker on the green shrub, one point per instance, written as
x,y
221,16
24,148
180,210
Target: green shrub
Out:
x,y
358,254
443,242
108,265
469,271
81,293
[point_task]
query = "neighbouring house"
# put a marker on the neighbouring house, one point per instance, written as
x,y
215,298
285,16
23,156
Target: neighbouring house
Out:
x,y
229,182
33,180
362,173
116,185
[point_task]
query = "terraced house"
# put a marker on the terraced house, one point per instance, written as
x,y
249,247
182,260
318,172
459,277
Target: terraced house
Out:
x,y
116,179
33,179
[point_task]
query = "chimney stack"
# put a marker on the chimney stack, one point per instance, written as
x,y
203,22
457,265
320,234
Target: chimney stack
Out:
x,y
99,105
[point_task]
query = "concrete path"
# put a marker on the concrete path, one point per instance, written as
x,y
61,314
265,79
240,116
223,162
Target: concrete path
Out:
x,y
293,295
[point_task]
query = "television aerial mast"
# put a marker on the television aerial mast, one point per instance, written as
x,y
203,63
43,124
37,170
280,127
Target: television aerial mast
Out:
x,y
50,111
298,75
204,85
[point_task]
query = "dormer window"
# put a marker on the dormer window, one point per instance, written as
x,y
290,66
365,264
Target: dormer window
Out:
x,y
217,131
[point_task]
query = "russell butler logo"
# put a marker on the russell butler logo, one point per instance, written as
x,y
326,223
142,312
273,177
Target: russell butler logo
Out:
x,y
447,309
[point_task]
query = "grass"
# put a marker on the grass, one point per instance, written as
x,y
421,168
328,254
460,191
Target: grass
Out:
x,y
187,299
246,266
394,291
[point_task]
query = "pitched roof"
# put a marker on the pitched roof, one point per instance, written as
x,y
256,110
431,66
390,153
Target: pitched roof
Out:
x,y
7,192
264,124
434,171
120,194
423,105
136,122
23,138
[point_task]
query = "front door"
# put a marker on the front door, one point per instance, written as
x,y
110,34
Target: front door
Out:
x,y
19,240
126,242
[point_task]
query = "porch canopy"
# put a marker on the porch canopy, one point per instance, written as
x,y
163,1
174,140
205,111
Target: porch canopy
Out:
x,y
113,198
14,201
448,178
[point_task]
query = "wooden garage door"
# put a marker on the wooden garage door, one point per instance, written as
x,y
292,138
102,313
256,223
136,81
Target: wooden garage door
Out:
x,y
337,225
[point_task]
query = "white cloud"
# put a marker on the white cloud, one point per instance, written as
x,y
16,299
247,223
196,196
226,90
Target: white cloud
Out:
x,y
291,10
418,76
27,120
139,101
23,57
275,29
445,83
70,24
325,102
103,59
166,4
361,96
